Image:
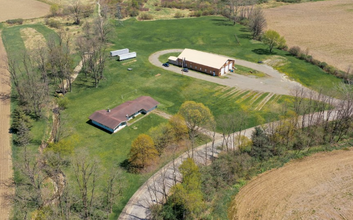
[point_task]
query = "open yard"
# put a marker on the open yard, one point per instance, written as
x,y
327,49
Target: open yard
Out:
x,y
22,9
317,187
212,34
324,27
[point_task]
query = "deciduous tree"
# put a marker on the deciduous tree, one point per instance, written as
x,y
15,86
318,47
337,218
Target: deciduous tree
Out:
x,y
273,39
143,152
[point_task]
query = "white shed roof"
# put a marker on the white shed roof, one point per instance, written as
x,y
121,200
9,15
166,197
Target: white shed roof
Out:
x,y
173,58
203,58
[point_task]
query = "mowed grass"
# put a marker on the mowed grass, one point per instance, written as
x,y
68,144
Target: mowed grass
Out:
x,y
212,34
13,42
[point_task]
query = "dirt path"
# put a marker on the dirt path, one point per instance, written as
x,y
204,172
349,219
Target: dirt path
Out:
x,y
6,171
316,187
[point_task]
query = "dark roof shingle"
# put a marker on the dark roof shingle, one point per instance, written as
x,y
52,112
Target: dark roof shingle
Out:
x,y
118,114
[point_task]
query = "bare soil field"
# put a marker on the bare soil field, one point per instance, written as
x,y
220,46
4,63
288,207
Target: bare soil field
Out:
x,y
22,9
325,27
5,147
316,187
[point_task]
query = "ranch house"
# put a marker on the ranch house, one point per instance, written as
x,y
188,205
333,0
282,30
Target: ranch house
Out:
x,y
115,119
209,63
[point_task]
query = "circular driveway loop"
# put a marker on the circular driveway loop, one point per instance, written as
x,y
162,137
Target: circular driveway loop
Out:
x,y
277,83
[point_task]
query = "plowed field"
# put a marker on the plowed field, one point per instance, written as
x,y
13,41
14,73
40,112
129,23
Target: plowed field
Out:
x,y
316,187
325,27
5,147
11,9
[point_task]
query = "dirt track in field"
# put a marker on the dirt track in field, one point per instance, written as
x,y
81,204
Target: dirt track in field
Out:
x,y
11,9
5,147
316,187
325,27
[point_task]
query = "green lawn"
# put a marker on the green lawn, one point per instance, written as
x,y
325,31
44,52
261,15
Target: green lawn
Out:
x,y
13,42
242,70
212,34
164,57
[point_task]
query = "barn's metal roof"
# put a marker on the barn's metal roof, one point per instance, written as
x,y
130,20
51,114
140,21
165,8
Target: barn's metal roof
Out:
x,y
114,117
203,58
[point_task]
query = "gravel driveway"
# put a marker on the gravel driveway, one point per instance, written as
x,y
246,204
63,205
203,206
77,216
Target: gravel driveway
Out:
x,y
277,83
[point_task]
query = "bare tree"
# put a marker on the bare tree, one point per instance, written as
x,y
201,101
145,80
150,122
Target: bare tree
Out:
x,y
257,22
86,174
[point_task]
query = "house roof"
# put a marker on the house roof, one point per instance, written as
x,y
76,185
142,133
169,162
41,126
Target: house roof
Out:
x,y
118,114
203,58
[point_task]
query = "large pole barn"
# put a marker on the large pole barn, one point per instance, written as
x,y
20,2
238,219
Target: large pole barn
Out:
x,y
212,64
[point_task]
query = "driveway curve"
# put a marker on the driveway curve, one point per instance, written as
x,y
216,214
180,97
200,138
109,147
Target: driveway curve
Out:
x,y
277,83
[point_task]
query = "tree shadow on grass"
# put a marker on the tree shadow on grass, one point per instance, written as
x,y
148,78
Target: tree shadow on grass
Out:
x,y
261,51
222,22
245,36
125,164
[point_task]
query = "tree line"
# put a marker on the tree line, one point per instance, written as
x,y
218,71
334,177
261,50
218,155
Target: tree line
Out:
x,y
317,120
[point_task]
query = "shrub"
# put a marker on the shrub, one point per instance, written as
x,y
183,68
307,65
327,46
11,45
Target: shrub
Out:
x,y
54,9
322,65
133,12
158,9
87,10
330,69
285,48
145,16
63,102
244,21
178,15
308,58
15,21
53,23
315,62
295,51
302,56
196,14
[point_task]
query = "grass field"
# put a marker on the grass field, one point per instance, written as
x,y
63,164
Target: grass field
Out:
x,y
326,25
212,34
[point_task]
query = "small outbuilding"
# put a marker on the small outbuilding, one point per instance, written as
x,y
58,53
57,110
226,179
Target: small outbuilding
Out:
x,y
115,53
212,64
126,56
173,60
115,119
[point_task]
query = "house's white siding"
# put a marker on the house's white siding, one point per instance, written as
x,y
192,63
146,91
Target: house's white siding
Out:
x,y
102,126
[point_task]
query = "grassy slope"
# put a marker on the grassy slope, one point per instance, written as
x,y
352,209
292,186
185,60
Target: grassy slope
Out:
x,y
213,34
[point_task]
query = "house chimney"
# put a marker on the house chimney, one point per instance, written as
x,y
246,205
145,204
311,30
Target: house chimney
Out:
x,y
108,110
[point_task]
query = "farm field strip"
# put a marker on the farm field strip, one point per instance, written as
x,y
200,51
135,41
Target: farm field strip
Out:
x,y
326,25
25,9
323,182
